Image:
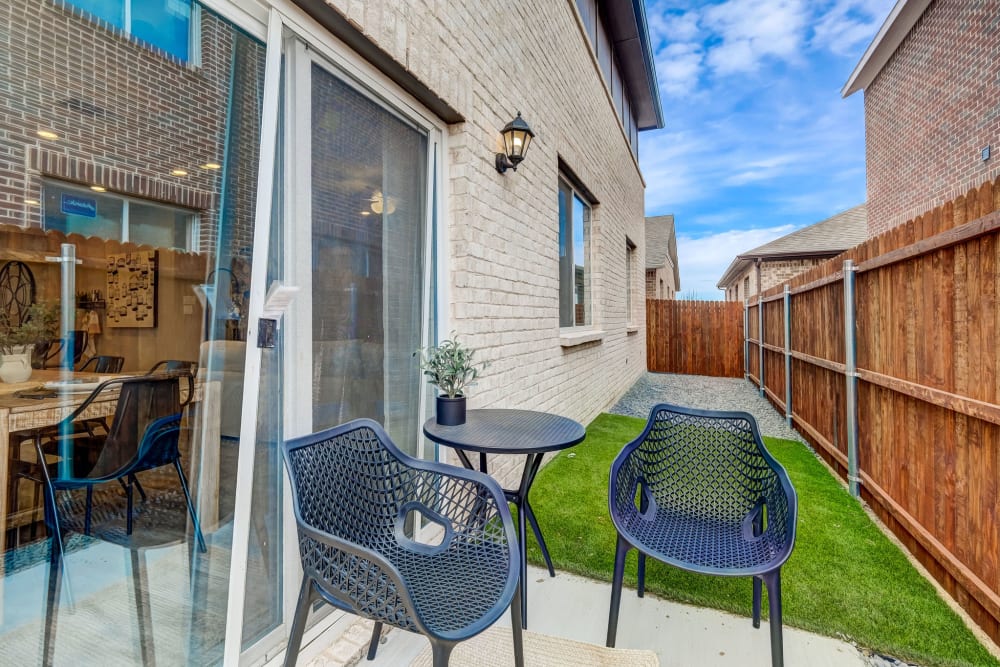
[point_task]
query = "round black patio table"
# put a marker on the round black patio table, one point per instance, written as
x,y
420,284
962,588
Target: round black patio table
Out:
x,y
525,432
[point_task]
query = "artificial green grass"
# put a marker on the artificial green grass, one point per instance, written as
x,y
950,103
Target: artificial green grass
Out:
x,y
844,579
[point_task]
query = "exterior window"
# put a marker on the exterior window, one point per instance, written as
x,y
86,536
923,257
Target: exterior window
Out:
x,y
574,254
629,264
73,210
746,289
165,25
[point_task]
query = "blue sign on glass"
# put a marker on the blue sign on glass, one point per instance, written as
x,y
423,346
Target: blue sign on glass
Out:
x,y
76,205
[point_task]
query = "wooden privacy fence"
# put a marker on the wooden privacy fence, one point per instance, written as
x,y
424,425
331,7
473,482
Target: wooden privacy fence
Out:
x,y
886,360
695,337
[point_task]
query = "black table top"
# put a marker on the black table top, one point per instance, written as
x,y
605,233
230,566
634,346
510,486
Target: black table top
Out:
x,y
499,431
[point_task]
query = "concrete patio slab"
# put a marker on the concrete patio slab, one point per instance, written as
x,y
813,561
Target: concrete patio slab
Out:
x,y
577,608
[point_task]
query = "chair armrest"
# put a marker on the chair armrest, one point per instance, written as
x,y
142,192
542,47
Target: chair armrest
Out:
x,y
357,564
626,475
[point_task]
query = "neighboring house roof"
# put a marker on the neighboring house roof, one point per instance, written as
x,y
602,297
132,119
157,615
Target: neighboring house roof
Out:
x,y
897,26
629,33
826,238
661,245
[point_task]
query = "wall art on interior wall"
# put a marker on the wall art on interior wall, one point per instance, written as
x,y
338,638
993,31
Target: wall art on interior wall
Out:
x,y
132,280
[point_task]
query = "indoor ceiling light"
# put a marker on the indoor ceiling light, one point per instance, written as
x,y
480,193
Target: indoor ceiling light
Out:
x,y
211,165
31,202
47,134
379,203
98,188
178,172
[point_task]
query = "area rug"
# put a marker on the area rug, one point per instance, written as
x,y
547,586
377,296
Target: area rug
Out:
x,y
495,648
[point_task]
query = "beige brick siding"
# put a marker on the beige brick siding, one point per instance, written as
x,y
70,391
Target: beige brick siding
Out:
x,y
931,110
489,60
660,283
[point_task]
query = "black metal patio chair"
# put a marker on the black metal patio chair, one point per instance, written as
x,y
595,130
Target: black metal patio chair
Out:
x,y
103,363
143,435
356,499
698,490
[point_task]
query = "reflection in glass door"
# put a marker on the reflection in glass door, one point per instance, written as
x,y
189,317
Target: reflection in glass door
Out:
x,y
369,222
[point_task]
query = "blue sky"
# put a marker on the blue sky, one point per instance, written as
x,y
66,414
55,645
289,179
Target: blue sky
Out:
x,y
758,141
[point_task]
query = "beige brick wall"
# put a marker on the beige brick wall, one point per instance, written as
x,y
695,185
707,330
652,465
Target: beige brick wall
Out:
x,y
489,60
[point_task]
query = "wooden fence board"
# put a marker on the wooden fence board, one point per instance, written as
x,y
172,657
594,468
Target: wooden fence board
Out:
x,y
928,377
695,337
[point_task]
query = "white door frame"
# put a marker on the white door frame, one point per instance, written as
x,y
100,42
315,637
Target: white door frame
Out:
x,y
288,25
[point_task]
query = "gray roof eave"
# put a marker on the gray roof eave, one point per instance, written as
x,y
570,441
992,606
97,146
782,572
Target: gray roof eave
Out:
x,y
629,33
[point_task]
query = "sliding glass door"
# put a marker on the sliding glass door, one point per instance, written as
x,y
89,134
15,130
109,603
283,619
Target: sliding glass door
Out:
x,y
363,221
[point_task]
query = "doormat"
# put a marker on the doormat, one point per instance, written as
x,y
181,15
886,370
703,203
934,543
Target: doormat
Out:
x,y
495,648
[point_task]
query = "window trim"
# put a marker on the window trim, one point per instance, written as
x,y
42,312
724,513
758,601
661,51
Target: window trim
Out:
x,y
568,184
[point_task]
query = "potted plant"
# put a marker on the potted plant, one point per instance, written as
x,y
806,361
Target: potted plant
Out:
x,y
18,339
449,367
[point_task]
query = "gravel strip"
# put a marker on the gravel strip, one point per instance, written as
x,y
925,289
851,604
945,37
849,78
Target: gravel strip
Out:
x,y
707,393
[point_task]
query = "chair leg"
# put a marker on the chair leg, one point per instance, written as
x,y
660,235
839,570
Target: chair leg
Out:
x,y
138,486
128,502
441,651
52,601
90,504
756,601
621,550
773,582
306,595
515,624
140,586
642,574
376,635
187,497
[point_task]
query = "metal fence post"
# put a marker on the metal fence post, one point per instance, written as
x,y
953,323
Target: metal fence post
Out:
x,y
746,340
760,339
851,373
788,355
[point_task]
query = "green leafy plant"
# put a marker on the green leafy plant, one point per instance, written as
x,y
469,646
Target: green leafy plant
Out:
x,y
449,366
40,326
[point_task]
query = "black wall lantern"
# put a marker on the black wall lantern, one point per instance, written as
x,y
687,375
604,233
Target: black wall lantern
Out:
x,y
516,137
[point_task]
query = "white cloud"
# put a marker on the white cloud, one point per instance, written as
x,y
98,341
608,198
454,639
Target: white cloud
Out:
x,y
753,30
765,169
849,25
704,259
679,68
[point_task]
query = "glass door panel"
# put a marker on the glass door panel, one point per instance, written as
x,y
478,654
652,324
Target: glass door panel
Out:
x,y
157,208
369,221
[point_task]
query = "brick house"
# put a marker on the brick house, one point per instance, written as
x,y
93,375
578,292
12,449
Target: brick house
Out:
x,y
777,262
347,149
932,107
663,276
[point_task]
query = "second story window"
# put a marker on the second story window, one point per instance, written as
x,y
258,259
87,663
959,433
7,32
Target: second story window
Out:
x,y
165,24
574,258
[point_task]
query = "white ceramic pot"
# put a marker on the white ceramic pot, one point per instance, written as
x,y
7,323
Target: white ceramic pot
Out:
x,y
16,367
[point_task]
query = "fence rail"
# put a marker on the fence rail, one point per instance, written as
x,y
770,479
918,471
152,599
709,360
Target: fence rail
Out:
x,y
886,359
695,337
